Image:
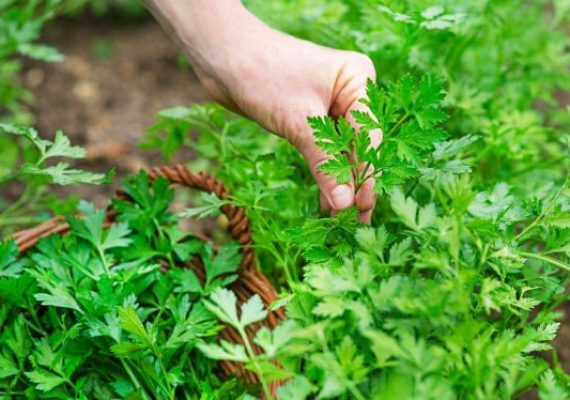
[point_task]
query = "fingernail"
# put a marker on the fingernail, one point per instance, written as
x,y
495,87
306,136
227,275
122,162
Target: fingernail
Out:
x,y
342,197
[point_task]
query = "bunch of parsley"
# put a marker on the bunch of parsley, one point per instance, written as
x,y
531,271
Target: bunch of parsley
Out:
x,y
114,312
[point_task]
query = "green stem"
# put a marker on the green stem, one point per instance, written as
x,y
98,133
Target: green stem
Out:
x,y
24,220
23,199
158,356
362,176
354,390
252,355
133,378
10,178
104,261
545,212
165,373
400,122
541,257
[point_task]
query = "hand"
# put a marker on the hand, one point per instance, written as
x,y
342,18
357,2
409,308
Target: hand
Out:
x,y
275,79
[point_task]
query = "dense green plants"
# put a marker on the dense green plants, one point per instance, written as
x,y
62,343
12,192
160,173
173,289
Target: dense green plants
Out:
x,y
452,292
442,299
94,315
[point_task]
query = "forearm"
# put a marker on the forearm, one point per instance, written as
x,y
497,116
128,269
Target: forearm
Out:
x,y
206,29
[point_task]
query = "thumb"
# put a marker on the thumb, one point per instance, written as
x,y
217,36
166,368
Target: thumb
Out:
x,y
334,196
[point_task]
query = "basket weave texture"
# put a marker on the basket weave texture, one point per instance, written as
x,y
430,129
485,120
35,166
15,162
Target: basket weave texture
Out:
x,y
250,280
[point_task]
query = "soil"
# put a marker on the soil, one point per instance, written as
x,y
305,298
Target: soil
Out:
x,y
115,77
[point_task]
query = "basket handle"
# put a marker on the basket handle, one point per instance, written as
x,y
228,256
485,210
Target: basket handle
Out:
x,y
238,221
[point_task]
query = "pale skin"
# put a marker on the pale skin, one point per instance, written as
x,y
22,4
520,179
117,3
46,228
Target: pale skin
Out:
x,y
274,79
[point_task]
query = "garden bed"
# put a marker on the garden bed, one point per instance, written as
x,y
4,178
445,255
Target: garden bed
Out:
x,y
455,290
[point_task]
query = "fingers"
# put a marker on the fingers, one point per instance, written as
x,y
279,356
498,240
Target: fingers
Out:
x,y
354,77
365,199
334,197
325,205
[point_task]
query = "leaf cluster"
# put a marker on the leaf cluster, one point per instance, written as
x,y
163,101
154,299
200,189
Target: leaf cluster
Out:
x,y
113,311
407,114
35,163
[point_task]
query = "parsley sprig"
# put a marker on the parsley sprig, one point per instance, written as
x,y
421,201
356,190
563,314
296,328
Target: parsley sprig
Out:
x,y
407,113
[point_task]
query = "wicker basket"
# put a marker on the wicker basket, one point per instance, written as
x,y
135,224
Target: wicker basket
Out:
x,y
250,280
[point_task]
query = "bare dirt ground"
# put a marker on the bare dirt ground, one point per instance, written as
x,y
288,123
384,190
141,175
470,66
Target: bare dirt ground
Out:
x,y
115,77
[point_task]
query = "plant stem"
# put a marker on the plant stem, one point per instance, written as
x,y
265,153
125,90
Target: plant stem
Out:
x,y
10,178
133,378
104,261
362,177
252,355
400,122
544,212
24,197
24,220
541,257
165,373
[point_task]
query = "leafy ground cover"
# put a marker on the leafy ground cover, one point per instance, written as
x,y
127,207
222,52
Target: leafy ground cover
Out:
x,y
453,290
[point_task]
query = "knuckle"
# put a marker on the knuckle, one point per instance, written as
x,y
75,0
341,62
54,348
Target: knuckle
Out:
x,y
364,64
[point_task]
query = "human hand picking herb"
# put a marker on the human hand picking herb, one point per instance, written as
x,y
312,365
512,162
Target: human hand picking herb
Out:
x,y
275,79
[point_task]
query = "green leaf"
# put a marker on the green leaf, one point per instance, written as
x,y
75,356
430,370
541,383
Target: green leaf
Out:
x,y
90,228
330,307
7,367
340,168
59,297
400,253
452,148
211,209
253,310
325,280
131,323
45,380
40,52
223,304
407,210
550,388
186,280
9,264
224,351
125,349
117,236
63,174
298,388
332,138
226,261
61,147
492,205
383,346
